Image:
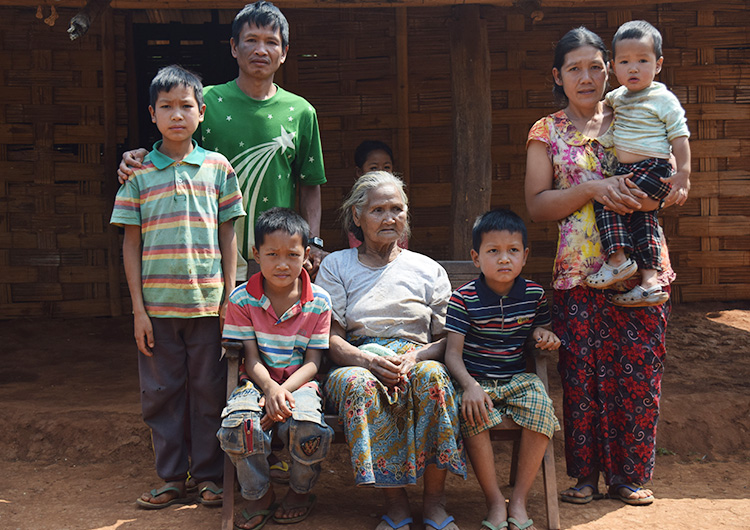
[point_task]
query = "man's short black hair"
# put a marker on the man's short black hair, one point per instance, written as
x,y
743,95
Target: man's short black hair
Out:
x,y
282,219
171,76
637,29
263,15
497,221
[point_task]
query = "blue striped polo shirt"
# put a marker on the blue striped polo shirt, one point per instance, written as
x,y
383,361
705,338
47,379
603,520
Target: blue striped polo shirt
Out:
x,y
496,327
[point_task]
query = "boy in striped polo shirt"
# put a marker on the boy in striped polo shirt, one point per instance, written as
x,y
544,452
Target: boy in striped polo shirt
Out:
x,y
179,253
489,320
283,321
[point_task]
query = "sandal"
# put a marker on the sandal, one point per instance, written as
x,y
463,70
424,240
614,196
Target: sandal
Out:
x,y
614,493
395,525
266,514
520,526
212,488
438,526
574,499
640,297
308,505
608,275
280,472
491,526
148,505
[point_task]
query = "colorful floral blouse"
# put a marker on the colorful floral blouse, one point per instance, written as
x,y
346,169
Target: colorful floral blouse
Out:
x,y
575,159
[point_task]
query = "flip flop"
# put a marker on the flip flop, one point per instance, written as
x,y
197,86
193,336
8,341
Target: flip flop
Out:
x,y
581,500
491,526
520,526
429,522
614,493
280,472
311,500
155,493
396,526
267,513
213,488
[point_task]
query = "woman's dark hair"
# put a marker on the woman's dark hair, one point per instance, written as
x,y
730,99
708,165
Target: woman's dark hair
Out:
x,y
573,40
364,149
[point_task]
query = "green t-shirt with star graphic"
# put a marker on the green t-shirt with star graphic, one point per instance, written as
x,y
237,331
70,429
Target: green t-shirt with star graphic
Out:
x,y
272,145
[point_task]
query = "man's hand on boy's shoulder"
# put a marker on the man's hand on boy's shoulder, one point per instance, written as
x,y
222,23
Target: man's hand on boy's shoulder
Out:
x,y
130,159
544,339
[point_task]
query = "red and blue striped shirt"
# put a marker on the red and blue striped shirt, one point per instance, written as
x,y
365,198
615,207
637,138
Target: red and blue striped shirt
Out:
x,y
496,327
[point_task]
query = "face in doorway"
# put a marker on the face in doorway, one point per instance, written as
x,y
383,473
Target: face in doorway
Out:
x,y
258,51
377,160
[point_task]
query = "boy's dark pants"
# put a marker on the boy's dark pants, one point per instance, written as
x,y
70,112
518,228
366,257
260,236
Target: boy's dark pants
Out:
x,y
185,361
637,232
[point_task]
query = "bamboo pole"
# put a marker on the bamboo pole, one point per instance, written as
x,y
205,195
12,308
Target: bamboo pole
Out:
x,y
402,93
110,157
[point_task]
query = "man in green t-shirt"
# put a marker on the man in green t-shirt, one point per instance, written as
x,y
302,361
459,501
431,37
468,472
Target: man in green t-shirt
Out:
x,y
269,135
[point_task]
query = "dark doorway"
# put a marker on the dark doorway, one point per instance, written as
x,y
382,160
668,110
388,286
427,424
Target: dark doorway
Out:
x,y
202,48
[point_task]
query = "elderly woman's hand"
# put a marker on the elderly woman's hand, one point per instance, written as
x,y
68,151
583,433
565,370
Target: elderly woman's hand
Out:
x,y
407,361
385,370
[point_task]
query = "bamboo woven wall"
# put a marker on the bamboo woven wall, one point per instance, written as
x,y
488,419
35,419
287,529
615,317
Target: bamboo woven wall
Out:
x,y
54,238
55,188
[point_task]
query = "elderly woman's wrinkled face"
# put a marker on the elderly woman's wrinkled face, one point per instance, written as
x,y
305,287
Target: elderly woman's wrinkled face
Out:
x,y
383,218
583,76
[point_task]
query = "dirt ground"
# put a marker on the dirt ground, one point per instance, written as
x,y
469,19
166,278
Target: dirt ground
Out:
x,y
75,454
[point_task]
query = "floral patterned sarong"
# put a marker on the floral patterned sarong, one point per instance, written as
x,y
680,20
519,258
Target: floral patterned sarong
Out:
x,y
393,435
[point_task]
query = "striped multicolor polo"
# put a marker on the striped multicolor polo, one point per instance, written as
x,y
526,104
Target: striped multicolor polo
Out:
x,y
179,207
496,327
282,341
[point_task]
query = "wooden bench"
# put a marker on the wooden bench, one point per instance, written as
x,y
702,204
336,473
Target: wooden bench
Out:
x,y
459,273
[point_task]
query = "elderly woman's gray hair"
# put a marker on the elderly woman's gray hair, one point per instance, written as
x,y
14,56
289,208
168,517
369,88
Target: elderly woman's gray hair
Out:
x,y
359,197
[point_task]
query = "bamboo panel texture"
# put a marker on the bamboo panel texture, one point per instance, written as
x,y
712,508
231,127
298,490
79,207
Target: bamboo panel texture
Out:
x,y
54,210
54,249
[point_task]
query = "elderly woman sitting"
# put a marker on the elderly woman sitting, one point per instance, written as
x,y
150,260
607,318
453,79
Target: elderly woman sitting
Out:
x,y
394,397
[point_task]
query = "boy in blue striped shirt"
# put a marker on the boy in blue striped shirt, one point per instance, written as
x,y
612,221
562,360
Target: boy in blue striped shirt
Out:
x,y
489,320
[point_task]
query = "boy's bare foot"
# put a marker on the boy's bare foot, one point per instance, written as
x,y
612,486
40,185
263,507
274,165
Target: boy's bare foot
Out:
x,y
518,519
257,511
520,524
295,507
496,516
209,494
170,493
